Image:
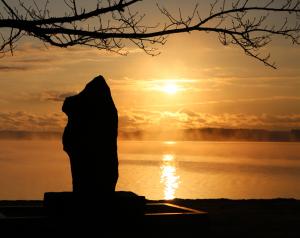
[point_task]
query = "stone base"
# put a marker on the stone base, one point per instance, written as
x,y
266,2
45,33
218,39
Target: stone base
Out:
x,y
70,204
74,213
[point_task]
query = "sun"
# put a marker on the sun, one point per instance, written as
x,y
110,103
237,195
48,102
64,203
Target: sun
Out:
x,y
170,88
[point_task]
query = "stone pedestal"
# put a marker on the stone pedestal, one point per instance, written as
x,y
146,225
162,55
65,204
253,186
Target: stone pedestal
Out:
x,y
76,212
69,204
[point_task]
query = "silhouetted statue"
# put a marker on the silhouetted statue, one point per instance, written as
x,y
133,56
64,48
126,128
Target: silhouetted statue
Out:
x,y
90,138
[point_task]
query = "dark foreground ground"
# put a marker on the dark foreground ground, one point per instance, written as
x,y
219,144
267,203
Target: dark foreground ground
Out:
x,y
230,218
250,218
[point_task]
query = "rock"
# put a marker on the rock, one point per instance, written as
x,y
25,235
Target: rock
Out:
x,y
90,139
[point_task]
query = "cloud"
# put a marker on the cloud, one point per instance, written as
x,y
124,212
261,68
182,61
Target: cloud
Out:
x,y
38,57
187,119
25,121
56,96
131,120
39,98
260,99
14,68
289,119
158,84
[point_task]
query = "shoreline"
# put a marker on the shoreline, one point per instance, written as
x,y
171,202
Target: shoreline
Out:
x,y
193,201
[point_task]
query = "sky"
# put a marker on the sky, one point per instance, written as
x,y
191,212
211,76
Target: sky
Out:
x,y
194,82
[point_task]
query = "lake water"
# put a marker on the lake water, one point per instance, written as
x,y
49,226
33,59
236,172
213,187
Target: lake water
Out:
x,y
161,170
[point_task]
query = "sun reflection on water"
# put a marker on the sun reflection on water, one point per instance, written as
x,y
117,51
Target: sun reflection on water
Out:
x,y
168,176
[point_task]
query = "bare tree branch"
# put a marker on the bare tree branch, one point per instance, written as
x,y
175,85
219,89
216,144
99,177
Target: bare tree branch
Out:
x,y
246,24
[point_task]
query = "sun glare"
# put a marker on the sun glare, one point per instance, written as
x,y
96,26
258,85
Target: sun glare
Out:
x,y
170,88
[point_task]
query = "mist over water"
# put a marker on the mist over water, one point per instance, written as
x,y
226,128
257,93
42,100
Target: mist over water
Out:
x,y
161,170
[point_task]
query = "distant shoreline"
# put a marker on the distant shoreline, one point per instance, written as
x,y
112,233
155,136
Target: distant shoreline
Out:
x,y
202,134
175,200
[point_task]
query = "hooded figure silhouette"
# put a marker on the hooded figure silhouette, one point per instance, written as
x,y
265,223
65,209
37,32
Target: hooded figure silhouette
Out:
x,y
90,138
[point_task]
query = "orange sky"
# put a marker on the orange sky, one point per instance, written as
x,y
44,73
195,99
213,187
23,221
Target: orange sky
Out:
x,y
215,86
